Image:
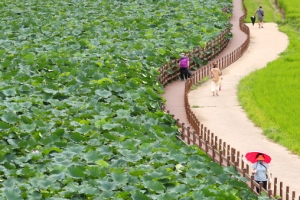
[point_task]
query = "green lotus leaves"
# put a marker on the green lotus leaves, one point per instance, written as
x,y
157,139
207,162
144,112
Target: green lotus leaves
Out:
x,y
10,118
76,137
9,92
76,172
107,185
137,195
180,188
103,93
93,156
27,127
89,191
102,163
12,194
120,178
80,101
84,129
4,126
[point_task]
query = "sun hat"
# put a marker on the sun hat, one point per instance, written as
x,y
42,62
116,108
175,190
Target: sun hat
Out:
x,y
260,157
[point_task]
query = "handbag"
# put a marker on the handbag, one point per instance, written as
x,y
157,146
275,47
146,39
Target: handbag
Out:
x,y
190,73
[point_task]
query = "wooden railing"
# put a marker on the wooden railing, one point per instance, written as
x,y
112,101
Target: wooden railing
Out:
x,y
198,134
170,71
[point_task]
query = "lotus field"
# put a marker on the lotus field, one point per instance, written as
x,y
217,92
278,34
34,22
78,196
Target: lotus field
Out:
x,y
80,113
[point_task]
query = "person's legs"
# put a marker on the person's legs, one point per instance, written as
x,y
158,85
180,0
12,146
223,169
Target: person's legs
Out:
x,y
182,73
264,185
213,89
186,75
217,88
259,22
257,188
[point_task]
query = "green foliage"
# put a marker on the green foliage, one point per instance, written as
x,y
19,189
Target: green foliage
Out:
x,y
272,13
80,103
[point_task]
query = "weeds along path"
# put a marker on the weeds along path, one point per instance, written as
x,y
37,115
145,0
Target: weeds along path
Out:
x,y
224,116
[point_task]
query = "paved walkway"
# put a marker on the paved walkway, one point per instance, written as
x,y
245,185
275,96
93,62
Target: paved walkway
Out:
x,y
175,90
224,116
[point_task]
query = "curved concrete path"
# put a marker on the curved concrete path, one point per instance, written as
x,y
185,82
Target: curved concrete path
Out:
x,y
224,116
174,92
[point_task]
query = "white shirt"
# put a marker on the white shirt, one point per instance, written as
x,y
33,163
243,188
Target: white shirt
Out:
x,y
261,171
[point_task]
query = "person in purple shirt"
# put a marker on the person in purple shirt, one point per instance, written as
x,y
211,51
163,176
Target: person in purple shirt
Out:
x,y
184,66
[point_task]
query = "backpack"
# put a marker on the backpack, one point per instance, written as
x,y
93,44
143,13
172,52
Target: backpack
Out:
x,y
183,63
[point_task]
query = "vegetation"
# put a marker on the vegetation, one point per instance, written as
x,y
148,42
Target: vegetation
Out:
x,y
272,14
270,95
80,113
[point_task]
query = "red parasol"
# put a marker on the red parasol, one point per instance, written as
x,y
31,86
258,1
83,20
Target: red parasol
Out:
x,y
251,156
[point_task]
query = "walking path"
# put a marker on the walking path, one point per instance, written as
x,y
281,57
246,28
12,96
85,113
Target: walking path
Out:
x,y
224,116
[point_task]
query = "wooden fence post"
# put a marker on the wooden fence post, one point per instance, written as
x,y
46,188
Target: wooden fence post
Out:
x,y
213,153
224,149
194,137
275,186
251,182
201,132
280,188
293,195
182,132
228,161
232,154
220,158
244,172
188,135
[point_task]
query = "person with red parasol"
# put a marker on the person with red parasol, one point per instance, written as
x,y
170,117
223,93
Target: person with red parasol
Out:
x,y
260,167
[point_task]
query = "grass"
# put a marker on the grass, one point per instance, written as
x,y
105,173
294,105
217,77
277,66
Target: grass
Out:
x,y
270,95
271,13
195,106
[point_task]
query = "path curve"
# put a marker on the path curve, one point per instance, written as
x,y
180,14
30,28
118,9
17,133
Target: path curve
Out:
x,y
224,116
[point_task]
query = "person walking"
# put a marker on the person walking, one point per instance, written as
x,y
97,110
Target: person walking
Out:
x,y
260,15
215,73
184,66
260,171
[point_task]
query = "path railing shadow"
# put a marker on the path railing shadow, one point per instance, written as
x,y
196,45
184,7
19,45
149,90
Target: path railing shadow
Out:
x,y
197,133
